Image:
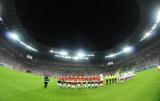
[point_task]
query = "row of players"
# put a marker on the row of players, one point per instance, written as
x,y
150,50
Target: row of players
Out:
x,y
80,81
89,81
112,79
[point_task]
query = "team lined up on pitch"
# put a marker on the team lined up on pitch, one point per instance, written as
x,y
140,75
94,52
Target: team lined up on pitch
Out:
x,y
89,81
80,81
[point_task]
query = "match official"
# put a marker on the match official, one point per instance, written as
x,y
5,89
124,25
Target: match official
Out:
x,y
46,80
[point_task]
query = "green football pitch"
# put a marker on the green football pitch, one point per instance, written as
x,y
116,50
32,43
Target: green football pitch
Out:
x,y
19,86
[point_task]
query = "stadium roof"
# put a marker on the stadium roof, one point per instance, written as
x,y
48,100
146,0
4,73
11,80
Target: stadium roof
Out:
x,y
88,24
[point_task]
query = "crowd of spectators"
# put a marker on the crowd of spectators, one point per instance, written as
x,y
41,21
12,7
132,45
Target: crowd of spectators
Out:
x,y
141,60
17,60
144,59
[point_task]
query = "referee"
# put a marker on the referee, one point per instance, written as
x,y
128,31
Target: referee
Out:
x,y
107,80
46,80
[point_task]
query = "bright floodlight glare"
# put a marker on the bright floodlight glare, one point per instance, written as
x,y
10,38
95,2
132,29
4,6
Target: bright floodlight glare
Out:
x,y
111,56
158,16
128,49
80,55
91,55
148,34
51,51
67,57
57,56
64,53
13,36
75,58
154,27
27,46
0,19
86,58
0,9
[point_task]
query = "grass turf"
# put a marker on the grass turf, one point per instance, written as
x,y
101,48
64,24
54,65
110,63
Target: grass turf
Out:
x,y
19,86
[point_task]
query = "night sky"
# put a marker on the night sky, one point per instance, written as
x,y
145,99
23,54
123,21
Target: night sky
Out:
x,y
76,24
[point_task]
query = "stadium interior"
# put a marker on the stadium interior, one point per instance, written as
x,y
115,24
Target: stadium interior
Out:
x,y
34,71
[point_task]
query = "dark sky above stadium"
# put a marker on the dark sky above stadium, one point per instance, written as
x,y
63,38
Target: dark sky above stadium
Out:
x,y
76,24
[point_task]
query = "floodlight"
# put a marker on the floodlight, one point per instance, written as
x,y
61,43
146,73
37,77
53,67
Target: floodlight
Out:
x,y
86,58
63,53
91,55
154,27
57,56
75,58
80,54
0,9
51,51
67,57
146,35
111,56
1,19
28,46
158,16
127,49
13,36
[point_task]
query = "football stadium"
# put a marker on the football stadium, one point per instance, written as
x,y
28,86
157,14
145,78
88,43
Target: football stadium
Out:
x,y
84,50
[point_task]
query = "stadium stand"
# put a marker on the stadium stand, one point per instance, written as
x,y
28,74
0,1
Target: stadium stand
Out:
x,y
144,59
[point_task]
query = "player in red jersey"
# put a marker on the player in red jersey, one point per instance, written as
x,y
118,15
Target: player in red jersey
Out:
x,y
63,82
78,81
74,82
96,81
92,81
83,82
71,81
88,82
67,81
